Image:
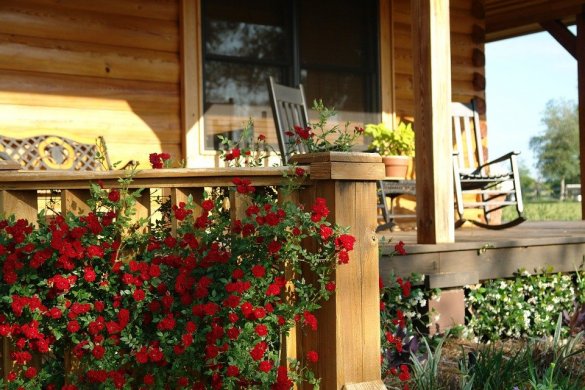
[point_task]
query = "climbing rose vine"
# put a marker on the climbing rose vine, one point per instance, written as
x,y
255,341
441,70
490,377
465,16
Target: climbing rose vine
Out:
x,y
200,298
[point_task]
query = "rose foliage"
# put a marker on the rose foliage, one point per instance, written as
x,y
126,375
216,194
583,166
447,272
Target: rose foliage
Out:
x,y
100,301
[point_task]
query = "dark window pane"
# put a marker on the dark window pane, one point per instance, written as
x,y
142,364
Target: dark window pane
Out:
x,y
336,89
234,93
333,54
333,32
251,29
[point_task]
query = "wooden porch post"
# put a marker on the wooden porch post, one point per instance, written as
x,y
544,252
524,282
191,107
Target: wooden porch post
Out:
x,y
348,335
191,79
581,88
431,53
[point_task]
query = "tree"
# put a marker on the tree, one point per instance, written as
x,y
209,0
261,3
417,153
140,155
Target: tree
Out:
x,y
557,148
527,182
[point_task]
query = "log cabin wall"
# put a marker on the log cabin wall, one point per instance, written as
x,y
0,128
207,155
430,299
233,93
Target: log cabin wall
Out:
x,y
80,69
467,55
84,68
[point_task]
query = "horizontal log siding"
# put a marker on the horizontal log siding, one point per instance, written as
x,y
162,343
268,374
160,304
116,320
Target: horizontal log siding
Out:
x,y
82,69
462,46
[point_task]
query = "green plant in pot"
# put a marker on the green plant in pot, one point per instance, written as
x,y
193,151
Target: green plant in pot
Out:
x,y
396,146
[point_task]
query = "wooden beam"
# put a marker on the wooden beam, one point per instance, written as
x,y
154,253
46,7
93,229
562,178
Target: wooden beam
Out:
x,y
562,34
432,96
387,63
581,88
515,17
481,263
191,76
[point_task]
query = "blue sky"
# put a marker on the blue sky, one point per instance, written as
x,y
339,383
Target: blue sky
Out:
x,y
522,75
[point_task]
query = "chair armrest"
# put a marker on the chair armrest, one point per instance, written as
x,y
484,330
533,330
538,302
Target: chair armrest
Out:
x,y
500,159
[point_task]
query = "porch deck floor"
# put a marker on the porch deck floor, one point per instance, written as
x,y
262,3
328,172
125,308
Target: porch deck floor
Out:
x,y
489,253
523,233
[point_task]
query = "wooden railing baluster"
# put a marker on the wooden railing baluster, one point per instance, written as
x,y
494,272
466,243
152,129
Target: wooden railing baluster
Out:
x,y
20,203
142,208
75,201
289,347
179,195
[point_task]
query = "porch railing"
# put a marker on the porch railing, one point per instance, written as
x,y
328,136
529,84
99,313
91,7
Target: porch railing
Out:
x,y
348,337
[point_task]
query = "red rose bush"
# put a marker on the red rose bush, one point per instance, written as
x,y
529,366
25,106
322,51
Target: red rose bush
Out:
x,y
97,301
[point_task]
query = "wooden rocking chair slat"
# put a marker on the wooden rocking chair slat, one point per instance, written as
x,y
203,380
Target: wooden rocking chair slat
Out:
x,y
490,185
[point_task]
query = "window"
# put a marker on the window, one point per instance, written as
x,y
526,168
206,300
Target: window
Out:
x,y
328,46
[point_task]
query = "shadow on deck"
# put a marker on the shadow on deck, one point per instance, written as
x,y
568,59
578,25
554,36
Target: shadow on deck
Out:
x,y
480,254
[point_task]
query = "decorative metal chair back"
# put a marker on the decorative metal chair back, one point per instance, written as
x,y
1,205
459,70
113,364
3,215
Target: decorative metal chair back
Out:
x,y
289,109
494,184
50,152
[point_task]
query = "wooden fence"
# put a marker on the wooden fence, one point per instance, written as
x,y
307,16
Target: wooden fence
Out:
x,y
348,338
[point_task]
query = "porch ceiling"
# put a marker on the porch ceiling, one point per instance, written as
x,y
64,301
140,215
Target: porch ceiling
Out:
x,y
510,18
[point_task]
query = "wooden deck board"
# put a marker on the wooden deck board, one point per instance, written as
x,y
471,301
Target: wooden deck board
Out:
x,y
492,254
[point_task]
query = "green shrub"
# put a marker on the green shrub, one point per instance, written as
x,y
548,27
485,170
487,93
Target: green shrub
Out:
x,y
526,305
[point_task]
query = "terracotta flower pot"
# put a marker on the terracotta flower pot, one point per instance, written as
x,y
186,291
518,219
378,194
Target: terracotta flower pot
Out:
x,y
396,166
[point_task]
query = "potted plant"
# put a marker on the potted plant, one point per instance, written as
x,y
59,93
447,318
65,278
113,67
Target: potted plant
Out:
x,y
396,146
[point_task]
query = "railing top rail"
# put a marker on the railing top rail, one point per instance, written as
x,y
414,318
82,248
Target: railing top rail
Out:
x,y
176,177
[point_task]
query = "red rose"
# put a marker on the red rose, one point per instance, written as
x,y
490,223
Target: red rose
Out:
x,y
30,373
232,371
142,356
258,271
310,320
313,356
207,205
325,232
156,355
343,257
274,247
138,295
98,352
399,248
89,274
190,327
273,289
114,196
261,330
345,241
259,313
233,333
265,366
99,306
73,326
404,373
258,351
148,379
155,161
95,251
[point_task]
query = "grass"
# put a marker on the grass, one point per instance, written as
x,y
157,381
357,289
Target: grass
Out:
x,y
551,363
547,211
